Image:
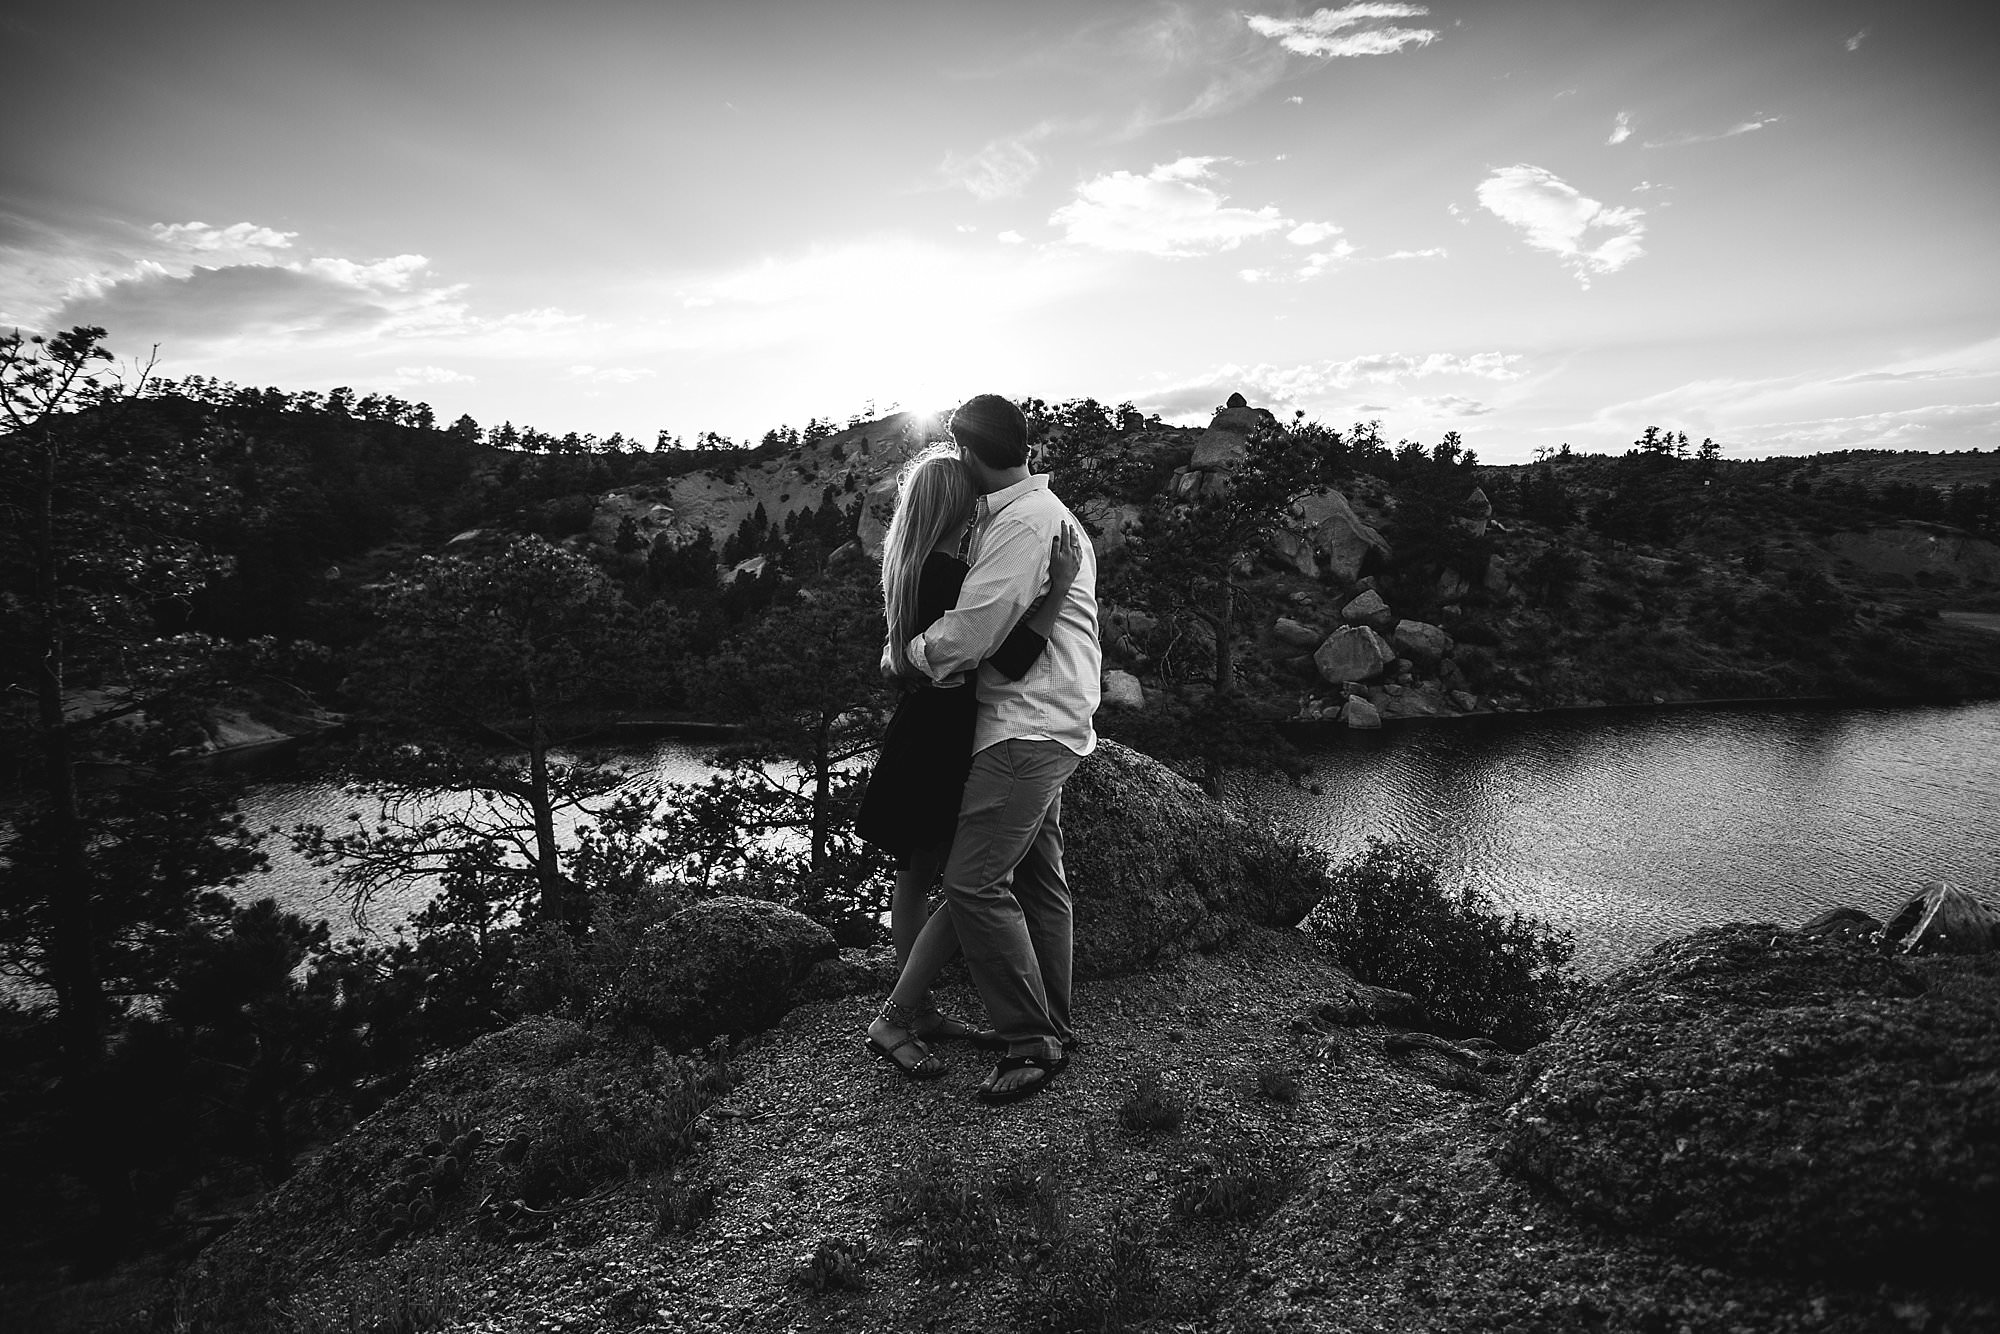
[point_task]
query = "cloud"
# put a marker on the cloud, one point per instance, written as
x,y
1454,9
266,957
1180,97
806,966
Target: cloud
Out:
x,y
1430,252
202,238
210,304
611,374
1450,405
1332,33
1934,427
1591,238
1295,101
1621,129
1316,382
433,375
1167,212
1010,237
1854,43
1878,377
1002,168
1741,127
1311,233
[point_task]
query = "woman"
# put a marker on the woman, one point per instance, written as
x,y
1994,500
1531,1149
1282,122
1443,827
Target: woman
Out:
x,y
911,805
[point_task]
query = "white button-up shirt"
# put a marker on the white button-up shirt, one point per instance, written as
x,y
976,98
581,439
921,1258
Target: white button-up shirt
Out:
x,y
1010,569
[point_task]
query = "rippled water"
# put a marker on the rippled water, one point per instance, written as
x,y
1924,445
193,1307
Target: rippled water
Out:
x,y
1626,827
1630,827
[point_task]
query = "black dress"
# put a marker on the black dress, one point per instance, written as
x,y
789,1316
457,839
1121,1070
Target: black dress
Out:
x,y
913,795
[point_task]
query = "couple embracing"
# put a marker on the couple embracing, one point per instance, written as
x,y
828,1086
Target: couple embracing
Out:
x,y
990,597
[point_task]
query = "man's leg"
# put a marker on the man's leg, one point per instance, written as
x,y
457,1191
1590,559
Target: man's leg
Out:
x,y
1043,892
1008,797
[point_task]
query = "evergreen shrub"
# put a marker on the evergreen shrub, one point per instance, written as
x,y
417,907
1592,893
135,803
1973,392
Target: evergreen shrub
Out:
x,y
1391,922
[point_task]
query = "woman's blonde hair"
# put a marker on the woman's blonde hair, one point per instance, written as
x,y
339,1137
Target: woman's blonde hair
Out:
x,y
934,497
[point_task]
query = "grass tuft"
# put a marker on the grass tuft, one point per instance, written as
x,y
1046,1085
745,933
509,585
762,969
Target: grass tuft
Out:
x,y
1150,1108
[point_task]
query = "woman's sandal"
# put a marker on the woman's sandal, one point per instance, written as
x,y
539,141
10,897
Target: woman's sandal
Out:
x,y
1009,1064
927,1065
937,1026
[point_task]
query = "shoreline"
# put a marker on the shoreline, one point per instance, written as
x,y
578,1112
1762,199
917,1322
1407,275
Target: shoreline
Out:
x,y
1332,723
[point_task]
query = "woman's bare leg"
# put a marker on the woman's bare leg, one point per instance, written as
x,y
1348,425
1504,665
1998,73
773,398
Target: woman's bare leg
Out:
x,y
925,943
909,904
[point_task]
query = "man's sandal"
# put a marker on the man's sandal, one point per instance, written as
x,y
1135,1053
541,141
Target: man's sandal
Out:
x,y
1009,1064
987,1039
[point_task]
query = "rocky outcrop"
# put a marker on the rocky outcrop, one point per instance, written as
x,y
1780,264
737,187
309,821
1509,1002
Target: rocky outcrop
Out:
x,y
1943,919
1785,1099
1338,535
1159,869
650,518
723,965
1920,548
878,506
1352,653
1293,551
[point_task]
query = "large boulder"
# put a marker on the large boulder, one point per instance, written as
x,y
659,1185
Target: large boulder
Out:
x,y
1122,690
1475,512
723,965
1368,609
1159,869
1422,643
1293,551
1219,449
1296,634
1360,714
1338,535
1943,919
1352,653
1783,1099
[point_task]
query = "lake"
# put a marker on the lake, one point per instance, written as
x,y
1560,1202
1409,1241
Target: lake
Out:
x,y
1626,827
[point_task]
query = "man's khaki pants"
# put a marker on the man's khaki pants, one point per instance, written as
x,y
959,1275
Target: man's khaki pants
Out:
x,y
1004,881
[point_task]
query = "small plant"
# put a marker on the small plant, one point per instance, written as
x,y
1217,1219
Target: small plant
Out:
x,y
1278,1084
1111,1284
1017,1214
1228,1185
680,1204
1150,1108
956,1225
834,1265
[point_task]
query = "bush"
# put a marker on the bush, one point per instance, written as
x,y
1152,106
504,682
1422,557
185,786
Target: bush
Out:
x,y
593,1124
1391,922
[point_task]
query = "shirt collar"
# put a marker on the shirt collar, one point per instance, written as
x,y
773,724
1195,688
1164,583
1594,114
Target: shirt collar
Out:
x,y
991,505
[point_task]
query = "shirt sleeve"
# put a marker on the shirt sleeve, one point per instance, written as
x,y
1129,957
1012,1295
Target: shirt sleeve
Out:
x,y
1018,652
1011,569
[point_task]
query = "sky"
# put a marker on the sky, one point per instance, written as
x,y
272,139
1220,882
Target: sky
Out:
x,y
1533,222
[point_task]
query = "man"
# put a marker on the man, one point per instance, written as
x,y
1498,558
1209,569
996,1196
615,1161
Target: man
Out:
x,y
1004,880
